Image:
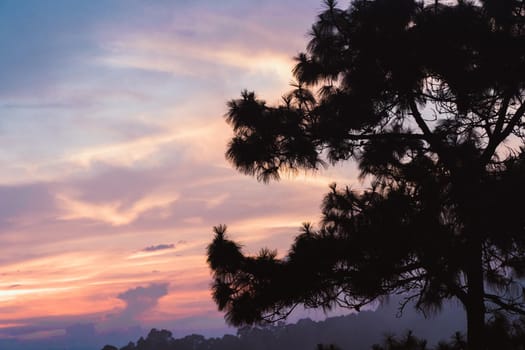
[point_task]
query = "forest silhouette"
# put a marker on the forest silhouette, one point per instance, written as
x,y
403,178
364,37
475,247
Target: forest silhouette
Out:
x,y
357,331
427,99
351,332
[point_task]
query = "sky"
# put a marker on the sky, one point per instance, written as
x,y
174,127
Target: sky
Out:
x,y
112,141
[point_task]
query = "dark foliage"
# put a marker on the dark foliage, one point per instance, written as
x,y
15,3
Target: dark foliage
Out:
x,y
502,334
428,99
407,342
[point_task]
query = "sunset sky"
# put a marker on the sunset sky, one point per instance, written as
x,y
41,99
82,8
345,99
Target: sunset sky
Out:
x,y
112,142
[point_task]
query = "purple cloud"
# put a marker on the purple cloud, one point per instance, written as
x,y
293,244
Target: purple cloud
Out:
x,y
158,247
138,301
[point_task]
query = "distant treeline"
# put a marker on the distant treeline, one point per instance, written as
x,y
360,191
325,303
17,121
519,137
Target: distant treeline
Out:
x,y
351,332
502,335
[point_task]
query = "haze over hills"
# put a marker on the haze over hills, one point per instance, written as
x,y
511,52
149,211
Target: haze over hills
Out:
x,y
350,332
354,331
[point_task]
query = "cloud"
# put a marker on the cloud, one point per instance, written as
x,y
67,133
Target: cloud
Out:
x,y
138,301
218,43
158,247
138,144
116,212
179,58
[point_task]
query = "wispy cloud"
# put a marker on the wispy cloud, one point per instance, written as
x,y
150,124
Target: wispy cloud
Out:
x,y
223,40
179,58
131,152
115,213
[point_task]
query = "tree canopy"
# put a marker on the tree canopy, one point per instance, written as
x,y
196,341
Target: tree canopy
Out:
x,y
427,98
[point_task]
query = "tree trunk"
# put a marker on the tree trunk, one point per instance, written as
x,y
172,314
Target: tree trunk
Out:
x,y
475,296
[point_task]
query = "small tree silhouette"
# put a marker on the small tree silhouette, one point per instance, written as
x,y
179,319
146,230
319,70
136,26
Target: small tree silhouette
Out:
x,y
408,342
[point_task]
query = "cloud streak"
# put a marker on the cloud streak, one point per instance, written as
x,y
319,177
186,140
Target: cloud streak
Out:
x,y
155,248
114,213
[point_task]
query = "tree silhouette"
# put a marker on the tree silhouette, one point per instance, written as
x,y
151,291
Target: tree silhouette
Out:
x,y
408,342
427,98
109,347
